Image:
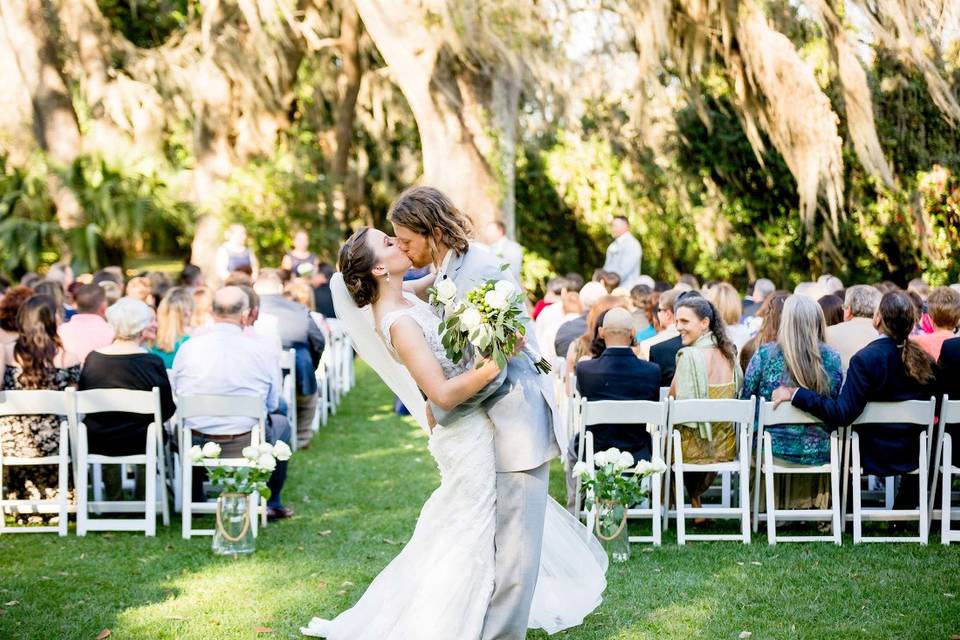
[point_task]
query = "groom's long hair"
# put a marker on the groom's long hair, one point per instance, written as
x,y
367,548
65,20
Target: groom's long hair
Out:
x,y
423,209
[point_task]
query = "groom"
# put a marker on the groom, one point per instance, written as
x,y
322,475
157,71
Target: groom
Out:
x,y
431,231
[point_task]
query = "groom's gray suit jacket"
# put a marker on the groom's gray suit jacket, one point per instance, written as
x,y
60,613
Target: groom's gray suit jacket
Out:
x,y
520,401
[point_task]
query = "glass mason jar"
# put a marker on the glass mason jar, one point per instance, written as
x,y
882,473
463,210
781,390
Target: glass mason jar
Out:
x,y
612,530
234,532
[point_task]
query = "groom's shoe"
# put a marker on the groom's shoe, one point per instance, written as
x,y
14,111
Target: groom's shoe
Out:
x,y
278,513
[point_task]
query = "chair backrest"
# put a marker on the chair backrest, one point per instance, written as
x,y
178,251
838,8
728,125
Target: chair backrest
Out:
x,y
35,402
919,412
288,359
724,410
225,406
949,411
126,400
786,413
622,412
664,393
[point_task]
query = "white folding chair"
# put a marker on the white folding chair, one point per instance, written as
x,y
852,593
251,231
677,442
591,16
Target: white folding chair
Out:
x,y
127,401
767,466
226,406
739,412
32,403
943,458
916,412
639,412
288,362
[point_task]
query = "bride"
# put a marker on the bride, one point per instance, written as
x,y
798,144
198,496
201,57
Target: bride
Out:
x,y
439,586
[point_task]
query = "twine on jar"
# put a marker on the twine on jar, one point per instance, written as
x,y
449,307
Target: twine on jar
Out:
x,y
246,521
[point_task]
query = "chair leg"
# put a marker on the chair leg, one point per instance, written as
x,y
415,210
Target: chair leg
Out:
x,y
64,467
3,510
678,455
668,460
81,488
756,481
744,483
835,487
924,515
768,487
856,474
656,514
846,436
186,490
945,506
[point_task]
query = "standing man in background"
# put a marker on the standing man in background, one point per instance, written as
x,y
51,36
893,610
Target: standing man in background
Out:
x,y
506,250
624,253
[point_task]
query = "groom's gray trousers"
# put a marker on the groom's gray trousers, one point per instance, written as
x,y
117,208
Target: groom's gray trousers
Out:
x,y
521,505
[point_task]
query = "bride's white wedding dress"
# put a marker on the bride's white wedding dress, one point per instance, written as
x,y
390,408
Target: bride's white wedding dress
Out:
x,y
439,586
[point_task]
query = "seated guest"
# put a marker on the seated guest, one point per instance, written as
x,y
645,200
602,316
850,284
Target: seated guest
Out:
x,y
577,326
609,279
857,329
616,374
590,344
950,366
125,364
53,289
890,369
801,358
554,288
707,367
191,276
643,313
202,317
322,297
664,319
37,360
550,319
224,361
832,307
173,324
943,305
13,299
87,329
727,301
291,321
762,289
664,354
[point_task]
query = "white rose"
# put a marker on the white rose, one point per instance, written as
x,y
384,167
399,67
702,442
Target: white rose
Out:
x,y
504,288
643,467
599,459
267,462
659,466
281,451
480,337
495,299
579,469
470,319
613,454
211,450
446,291
265,449
625,460
250,453
195,453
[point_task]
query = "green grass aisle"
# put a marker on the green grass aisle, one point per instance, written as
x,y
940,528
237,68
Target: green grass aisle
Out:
x,y
357,493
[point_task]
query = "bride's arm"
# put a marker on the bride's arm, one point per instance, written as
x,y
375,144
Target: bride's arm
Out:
x,y
419,286
412,347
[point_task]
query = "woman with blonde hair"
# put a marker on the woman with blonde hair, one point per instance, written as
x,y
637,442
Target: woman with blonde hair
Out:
x,y
727,302
299,290
173,324
799,358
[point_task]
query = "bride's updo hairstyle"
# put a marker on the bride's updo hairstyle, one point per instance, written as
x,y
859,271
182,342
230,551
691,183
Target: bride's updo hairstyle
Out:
x,y
356,262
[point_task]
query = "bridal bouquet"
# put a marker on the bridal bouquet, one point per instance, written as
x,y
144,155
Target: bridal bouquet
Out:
x,y
488,318
246,479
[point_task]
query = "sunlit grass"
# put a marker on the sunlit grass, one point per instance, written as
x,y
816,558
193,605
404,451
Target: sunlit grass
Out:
x,y
358,491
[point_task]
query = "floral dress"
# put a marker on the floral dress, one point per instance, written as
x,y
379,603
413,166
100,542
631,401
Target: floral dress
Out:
x,y
796,443
806,444
33,436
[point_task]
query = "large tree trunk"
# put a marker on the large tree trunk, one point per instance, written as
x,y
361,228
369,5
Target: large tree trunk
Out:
x,y
351,75
466,118
29,33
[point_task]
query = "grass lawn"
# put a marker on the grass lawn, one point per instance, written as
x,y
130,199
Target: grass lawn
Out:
x,y
357,493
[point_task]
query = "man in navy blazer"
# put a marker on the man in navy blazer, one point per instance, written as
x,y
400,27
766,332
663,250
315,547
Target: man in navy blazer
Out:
x,y
950,367
616,374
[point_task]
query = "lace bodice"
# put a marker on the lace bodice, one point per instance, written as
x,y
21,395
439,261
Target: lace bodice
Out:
x,y
422,313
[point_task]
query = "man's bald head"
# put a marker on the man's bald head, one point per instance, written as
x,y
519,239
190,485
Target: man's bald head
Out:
x,y
229,304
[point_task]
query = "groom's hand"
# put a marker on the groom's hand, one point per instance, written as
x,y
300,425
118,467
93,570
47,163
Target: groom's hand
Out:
x,y
431,420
